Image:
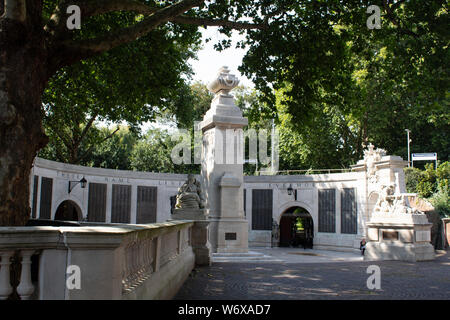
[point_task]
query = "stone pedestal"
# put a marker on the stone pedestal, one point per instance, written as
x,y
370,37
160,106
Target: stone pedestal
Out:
x,y
446,225
222,167
399,237
189,214
232,227
200,233
395,231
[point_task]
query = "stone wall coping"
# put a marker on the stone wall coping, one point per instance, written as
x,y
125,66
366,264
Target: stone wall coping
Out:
x,y
391,161
223,121
326,177
397,223
95,237
82,170
53,165
393,225
385,161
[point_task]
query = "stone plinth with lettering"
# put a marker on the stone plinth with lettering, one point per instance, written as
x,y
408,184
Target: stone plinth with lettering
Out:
x,y
395,231
222,167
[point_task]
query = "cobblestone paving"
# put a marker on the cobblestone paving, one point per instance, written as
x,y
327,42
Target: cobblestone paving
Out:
x,y
339,280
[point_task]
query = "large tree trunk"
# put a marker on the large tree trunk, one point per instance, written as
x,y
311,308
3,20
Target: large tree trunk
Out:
x,y
23,77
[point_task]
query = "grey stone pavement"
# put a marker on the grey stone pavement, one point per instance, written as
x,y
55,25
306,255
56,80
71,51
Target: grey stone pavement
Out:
x,y
314,274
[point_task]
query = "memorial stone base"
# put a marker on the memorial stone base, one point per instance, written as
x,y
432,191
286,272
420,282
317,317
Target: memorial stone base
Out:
x,y
399,237
232,235
200,233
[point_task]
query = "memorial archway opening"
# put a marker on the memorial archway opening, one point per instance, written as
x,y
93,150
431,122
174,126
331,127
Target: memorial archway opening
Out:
x,y
296,228
68,211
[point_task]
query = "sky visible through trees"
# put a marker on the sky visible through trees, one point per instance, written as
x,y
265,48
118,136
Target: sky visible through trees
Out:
x,y
331,82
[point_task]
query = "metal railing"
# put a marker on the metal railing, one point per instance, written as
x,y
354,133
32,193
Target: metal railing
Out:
x,y
303,172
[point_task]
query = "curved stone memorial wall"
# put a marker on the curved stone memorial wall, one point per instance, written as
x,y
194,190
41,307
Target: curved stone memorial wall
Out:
x,y
336,202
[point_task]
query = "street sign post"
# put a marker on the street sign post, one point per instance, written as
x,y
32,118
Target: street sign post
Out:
x,y
424,157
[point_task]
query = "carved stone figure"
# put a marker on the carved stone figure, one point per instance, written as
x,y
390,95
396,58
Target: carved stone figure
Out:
x,y
372,155
385,202
394,203
275,230
190,195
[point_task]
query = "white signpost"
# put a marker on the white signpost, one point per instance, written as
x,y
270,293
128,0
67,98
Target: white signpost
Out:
x,y
424,157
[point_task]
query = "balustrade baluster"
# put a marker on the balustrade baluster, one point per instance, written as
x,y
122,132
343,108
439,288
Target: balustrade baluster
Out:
x,y
144,257
129,267
5,285
26,288
134,262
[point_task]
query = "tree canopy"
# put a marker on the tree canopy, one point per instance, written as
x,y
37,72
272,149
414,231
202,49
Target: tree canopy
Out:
x,y
315,60
334,85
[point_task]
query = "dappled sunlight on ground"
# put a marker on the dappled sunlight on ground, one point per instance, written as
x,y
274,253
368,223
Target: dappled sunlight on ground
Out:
x,y
331,280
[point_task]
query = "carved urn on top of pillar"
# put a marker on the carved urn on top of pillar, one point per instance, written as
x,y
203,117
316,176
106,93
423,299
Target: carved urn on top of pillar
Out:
x,y
222,166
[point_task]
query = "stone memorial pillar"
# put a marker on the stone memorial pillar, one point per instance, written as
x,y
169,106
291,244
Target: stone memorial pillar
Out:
x,y
222,167
395,231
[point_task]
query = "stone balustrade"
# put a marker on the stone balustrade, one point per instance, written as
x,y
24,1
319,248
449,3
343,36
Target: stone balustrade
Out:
x,y
26,287
115,261
138,264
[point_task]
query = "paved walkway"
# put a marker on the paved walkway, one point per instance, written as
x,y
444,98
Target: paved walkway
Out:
x,y
299,255
318,275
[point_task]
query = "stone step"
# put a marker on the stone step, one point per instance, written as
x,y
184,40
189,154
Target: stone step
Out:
x,y
250,256
238,254
247,260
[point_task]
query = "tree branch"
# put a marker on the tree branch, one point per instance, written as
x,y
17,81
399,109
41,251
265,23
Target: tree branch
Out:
x,y
217,22
129,34
55,24
15,10
59,155
273,14
71,51
391,16
87,127
92,146
92,8
64,140
397,4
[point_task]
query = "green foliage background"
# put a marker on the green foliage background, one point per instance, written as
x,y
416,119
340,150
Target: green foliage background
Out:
x,y
431,183
331,85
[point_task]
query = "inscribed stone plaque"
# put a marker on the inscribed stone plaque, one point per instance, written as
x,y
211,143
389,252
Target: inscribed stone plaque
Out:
x,y
327,210
34,201
46,198
423,236
121,203
262,206
349,221
97,202
146,204
245,204
390,235
230,236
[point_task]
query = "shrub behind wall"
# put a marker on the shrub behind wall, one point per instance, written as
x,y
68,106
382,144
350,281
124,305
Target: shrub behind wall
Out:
x,y
431,184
